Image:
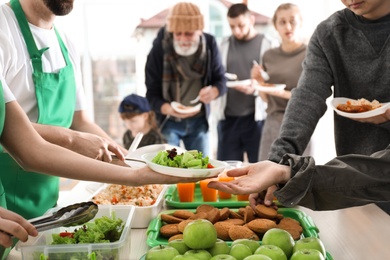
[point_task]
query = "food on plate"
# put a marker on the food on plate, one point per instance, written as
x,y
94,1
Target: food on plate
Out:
x,y
232,226
358,106
183,107
189,159
127,195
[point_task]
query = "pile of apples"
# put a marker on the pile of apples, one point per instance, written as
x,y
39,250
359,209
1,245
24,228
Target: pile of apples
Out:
x,y
200,242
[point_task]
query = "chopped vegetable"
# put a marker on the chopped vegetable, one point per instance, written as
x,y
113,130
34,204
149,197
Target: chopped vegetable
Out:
x,y
102,230
189,159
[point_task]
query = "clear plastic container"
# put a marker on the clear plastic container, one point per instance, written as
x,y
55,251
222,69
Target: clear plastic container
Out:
x,y
40,248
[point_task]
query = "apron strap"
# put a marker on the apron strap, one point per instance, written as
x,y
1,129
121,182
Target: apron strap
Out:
x,y
24,27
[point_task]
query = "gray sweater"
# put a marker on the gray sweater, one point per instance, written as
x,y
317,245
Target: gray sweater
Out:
x,y
343,52
343,182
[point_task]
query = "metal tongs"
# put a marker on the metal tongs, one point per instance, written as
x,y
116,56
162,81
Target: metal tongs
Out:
x,y
72,215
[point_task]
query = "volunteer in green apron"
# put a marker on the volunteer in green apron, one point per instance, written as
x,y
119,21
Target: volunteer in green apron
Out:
x,y
3,251
31,194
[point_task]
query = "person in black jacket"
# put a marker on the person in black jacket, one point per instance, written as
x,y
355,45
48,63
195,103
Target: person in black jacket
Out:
x,y
183,64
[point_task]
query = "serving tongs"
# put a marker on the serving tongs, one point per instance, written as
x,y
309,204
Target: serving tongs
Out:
x,y
72,215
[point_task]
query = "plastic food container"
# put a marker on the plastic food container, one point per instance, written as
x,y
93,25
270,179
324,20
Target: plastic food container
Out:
x,y
309,228
40,248
142,214
172,199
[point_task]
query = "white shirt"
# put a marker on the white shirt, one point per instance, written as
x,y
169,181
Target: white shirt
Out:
x,y
15,65
8,96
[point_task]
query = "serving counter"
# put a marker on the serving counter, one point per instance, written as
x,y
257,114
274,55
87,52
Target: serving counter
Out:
x,y
353,233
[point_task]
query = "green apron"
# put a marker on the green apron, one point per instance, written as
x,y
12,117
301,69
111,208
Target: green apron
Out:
x,y
32,194
3,251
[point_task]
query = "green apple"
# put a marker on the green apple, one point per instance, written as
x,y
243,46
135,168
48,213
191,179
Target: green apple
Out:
x,y
220,247
258,257
200,254
184,257
200,234
307,254
252,244
274,252
179,245
280,238
240,251
161,252
310,242
223,257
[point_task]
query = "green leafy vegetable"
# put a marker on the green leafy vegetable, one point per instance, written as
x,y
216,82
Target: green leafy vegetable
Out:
x,y
189,159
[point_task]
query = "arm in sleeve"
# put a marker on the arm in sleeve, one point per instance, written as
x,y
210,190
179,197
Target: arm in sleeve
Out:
x,y
153,74
307,104
217,76
346,181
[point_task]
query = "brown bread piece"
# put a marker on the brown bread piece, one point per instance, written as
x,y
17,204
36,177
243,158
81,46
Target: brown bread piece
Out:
x,y
213,215
169,219
204,208
265,212
222,228
261,225
183,214
169,230
239,232
183,224
224,214
249,214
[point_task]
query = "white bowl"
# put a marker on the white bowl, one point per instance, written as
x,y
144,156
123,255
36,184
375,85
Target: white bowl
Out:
x,y
237,83
274,88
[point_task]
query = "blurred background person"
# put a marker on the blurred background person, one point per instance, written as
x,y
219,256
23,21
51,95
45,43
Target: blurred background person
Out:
x,y
184,63
284,66
240,125
138,118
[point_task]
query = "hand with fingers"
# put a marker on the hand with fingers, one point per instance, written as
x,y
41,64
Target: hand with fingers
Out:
x,y
12,224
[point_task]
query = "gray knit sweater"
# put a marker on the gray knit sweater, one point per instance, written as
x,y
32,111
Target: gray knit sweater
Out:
x,y
343,52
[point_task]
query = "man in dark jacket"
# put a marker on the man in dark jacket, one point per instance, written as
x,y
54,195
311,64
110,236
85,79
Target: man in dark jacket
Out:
x,y
183,64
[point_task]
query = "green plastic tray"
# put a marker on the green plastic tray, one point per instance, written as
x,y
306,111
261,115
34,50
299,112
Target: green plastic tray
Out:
x,y
172,199
309,228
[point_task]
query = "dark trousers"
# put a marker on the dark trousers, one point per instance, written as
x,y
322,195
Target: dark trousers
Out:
x,y
237,135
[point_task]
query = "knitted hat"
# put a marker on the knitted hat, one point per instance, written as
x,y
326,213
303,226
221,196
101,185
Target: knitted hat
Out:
x,y
184,17
134,104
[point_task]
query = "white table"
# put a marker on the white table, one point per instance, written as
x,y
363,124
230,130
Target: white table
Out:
x,y
353,233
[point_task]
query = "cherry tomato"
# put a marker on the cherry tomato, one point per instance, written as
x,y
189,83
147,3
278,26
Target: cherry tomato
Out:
x,y
209,165
67,234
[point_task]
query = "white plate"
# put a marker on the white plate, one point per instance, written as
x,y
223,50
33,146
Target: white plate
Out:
x,y
182,172
237,83
336,101
276,87
180,108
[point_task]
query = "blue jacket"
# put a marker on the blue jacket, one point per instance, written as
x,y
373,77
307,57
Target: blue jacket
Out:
x,y
154,70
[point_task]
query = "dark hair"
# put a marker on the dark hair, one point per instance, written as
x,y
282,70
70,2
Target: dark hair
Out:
x,y
237,10
285,6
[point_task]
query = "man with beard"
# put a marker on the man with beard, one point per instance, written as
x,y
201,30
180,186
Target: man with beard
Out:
x,y
41,67
242,110
184,63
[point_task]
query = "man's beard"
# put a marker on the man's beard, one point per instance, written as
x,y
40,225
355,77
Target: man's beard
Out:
x,y
185,51
59,7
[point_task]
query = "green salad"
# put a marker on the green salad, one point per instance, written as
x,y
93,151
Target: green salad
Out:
x,y
190,159
102,230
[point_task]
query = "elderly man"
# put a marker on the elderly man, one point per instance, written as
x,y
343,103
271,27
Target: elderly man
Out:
x,y
184,63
